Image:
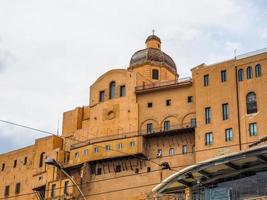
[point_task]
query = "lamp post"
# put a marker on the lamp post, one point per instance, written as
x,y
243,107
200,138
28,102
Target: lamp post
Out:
x,y
53,162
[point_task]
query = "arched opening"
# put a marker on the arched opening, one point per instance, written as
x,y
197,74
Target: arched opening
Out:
x,y
240,75
258,70
112,87
249,72
155,74
41,161
251,102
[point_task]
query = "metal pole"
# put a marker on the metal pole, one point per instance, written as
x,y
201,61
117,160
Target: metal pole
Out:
x,y
79,189
53,162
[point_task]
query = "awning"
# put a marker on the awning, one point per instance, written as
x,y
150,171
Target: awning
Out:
x,y
216,170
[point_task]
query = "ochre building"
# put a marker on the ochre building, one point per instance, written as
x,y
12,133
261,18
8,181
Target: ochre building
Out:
x,y
142,124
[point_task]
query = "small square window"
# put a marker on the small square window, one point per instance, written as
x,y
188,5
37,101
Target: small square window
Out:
x,y
149,104
168,102
190,99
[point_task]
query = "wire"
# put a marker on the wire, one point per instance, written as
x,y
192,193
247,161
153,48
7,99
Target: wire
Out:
x,y
27,127
74,139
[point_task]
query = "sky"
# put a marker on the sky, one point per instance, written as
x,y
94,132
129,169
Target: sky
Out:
x,y
51,51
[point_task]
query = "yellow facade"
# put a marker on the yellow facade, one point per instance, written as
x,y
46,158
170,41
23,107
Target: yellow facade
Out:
x,y
140,118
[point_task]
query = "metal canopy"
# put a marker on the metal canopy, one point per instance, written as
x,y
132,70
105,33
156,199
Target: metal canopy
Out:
x,y
219,169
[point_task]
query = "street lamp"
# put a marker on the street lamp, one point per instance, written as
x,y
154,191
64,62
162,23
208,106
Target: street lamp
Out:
x,y
53,162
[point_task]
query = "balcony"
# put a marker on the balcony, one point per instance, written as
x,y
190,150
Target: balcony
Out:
x,y
174,129
163,84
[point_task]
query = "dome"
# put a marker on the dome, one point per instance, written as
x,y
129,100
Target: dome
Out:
x,y
152,56
153,37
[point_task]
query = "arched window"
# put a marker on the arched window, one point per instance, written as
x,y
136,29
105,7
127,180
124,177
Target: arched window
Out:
x,y
251,103
155,74
258,70
112,87
249,72
41,161
240,75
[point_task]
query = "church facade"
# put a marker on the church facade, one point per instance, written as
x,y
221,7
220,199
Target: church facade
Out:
x,y
142,124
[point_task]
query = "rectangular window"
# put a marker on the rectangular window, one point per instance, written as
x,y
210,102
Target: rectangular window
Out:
x,y
119,146
168,102
132,144
184,149
206,80
66,186
7,190
207,115
53,191
3,166
101,96
208,138
193,122
25,160
96,149
76,155
122,90
166,125
253,129
228,134
107,148
85,152
171,151
149,104
17,189
149,128
190,99
223,76
225,111
15,164
159,153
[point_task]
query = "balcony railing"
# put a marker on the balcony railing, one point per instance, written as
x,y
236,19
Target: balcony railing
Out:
x,y
182,81
142,132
